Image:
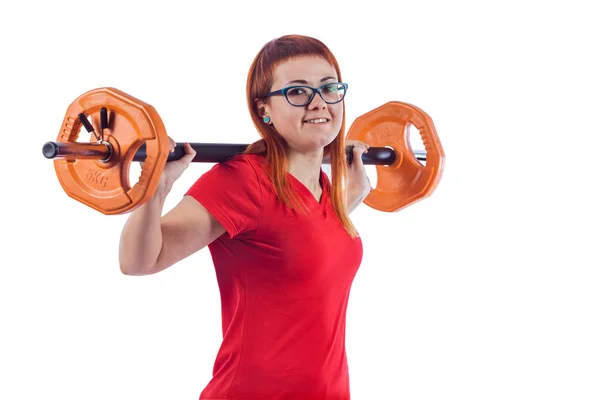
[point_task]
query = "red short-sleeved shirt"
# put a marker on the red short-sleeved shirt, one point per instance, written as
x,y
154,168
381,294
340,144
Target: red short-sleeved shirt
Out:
x,y
284,280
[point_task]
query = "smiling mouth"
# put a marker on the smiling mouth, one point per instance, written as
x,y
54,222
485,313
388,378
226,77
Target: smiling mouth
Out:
x,y
316,121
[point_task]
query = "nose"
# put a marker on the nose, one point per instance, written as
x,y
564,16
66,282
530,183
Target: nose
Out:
x,y
317,102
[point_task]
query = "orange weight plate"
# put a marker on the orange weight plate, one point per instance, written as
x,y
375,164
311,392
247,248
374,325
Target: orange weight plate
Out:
x,y
406,181
105,186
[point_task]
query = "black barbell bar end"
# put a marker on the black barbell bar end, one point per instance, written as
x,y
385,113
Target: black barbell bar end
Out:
x,y
50,150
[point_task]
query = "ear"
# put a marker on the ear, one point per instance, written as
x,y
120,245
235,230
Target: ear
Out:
x,y
262,107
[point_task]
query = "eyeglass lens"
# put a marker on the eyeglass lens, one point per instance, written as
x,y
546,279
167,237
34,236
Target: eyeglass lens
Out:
x,y
331,93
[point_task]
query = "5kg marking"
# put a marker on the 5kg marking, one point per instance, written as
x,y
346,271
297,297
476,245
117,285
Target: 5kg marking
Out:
x,y
97,178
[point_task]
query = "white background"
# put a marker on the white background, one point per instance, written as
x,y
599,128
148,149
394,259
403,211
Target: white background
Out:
x,y
488,289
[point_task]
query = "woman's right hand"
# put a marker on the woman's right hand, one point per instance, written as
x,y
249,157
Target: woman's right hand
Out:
x,y
174,169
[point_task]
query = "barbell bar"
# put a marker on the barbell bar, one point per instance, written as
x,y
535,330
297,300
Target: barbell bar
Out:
x,y
205,152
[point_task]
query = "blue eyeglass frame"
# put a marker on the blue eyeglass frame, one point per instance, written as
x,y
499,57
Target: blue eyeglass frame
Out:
x,y
283,92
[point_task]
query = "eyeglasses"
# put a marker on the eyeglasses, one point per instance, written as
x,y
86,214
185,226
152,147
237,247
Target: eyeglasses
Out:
x,y
300,96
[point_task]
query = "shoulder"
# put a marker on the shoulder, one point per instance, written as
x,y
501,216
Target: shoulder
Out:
x,y
254,160
240,171
231,191
245,164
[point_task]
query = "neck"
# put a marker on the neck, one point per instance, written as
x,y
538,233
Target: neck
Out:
x,y
306,167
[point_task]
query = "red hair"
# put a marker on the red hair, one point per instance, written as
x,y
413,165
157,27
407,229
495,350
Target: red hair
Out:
x,y
273,145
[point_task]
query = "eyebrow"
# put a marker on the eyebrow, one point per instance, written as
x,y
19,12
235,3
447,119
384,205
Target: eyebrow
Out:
x,y
302,81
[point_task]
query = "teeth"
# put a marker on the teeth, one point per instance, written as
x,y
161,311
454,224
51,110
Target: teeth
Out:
x,y
316,120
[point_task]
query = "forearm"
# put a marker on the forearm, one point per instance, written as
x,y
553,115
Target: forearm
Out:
x,y
141,238
354,199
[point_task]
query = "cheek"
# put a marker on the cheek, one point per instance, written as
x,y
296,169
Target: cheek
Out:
x,y
337,113
287,114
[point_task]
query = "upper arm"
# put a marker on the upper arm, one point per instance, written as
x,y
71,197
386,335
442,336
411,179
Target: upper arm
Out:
x,y
187,228
227,198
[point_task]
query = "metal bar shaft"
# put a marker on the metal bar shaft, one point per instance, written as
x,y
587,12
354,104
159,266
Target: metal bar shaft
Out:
x,y
76,150
205,152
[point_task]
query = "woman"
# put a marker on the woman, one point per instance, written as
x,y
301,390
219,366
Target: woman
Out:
x,y
284,249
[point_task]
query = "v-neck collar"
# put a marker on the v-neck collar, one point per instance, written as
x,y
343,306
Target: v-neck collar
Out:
x,y
305,192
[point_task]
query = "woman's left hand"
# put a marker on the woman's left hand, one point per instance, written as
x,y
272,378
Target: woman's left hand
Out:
x,y
359,185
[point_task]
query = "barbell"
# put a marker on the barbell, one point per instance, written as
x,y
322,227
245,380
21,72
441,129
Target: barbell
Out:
x,y
96,173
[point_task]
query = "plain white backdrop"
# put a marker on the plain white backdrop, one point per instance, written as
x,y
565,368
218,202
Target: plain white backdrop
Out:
x,y
488,289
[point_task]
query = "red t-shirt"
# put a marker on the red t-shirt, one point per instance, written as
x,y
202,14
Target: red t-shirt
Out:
x,y
284,280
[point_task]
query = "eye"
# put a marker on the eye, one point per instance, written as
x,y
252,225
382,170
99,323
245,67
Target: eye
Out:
x,y
296,91
331,88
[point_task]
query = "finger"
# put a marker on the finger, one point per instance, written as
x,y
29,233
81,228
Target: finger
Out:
x,y
361,145
356,143
188,149
189,153
358,151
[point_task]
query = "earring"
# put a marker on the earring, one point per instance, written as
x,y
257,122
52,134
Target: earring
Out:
x,y
267,119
